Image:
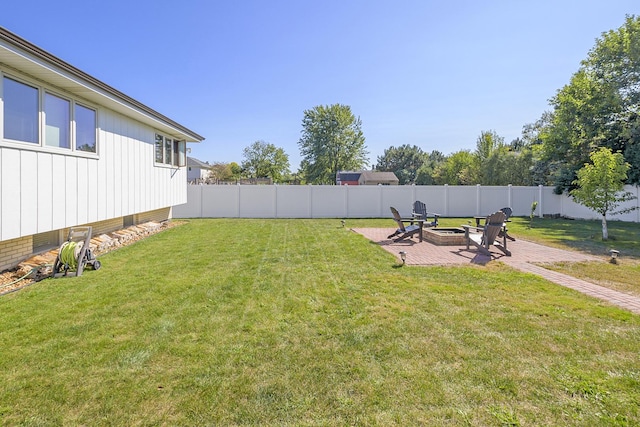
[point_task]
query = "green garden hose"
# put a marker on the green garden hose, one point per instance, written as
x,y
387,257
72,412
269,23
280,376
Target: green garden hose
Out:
x,y
68,254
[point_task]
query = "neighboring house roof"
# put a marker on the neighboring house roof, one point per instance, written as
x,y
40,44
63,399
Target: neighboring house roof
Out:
x,y
378,178
193,162
348,177
27,57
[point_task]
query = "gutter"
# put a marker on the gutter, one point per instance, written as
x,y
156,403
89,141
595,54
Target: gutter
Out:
x,y
45,56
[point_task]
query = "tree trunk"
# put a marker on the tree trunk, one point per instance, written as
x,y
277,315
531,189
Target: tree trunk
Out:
x,y
605,231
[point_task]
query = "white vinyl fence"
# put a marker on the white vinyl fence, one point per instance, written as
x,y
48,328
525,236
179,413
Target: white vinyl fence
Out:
x,y
331,201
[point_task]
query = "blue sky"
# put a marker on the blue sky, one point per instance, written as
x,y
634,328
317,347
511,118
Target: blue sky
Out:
x,y
428,73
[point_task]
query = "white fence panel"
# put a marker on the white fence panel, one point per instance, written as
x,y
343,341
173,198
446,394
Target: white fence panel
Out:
x,y
220,201
331,201
522,198
293,201
575,210
462,201
551,202
193,207
433,196
366,203
257,201
328,201
492,199
400,197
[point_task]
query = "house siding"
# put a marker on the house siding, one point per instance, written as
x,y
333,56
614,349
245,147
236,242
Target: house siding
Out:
x,y
42,191
45,189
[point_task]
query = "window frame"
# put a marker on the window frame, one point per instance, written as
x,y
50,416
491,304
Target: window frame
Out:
x,y
45,123
18,80
41,145
74,127
176,157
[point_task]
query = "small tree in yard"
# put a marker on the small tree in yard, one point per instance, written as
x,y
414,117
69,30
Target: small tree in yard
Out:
x,y
601,184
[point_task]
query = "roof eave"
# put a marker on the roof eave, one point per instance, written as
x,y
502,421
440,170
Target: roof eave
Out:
x,y
21,54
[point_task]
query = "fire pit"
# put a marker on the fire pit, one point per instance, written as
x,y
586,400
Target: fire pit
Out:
x,y
444,236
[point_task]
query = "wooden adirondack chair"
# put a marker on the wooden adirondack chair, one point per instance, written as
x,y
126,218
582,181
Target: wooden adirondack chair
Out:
x,y
505,232
403,231
420,212
484,237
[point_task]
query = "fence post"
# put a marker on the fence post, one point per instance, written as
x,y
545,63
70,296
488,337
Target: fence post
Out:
x,y
275,200
637,204
238,198
310,187
509,193
478,189
540,205
446,200
345,201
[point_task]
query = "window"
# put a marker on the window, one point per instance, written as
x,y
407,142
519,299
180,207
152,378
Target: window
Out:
x,y
159,148
57,121
179,153
85,119
37,116
168,147
170,151
20,111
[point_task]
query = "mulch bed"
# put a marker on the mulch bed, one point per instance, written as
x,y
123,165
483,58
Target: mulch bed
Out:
x,y
40,266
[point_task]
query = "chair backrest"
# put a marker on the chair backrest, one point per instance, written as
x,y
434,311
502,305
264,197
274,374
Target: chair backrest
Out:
x,y
492,228
397,218
420,209
507,211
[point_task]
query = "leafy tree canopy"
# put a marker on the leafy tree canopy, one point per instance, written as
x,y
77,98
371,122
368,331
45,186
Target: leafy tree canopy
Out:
x,y
599,107
457,169
221,171
264,160
404,161
600,184
331,141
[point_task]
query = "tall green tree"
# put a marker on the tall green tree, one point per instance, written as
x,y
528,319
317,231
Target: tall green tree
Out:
x,y
404,161
264,160
331,141
489,164
427,173
599,107
540,169
221,171
457,169
600,185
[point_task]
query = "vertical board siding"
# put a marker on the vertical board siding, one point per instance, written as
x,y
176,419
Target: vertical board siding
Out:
x,y
10,194
58,178
44,171
45,191
92,192
101,168
28,205
83,192
71,194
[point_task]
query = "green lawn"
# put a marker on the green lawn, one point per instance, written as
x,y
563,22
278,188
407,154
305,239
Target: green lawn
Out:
x,y
303,322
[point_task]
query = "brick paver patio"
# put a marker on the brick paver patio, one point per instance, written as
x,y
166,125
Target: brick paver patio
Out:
x,y
525,256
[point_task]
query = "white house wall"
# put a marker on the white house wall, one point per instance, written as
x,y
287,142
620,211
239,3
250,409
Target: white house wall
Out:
x,y
44,191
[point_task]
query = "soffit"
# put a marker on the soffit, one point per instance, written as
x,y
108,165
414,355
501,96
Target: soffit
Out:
x,y
70,80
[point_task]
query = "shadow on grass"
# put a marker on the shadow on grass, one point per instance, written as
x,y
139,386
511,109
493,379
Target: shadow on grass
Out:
x,y
586,236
